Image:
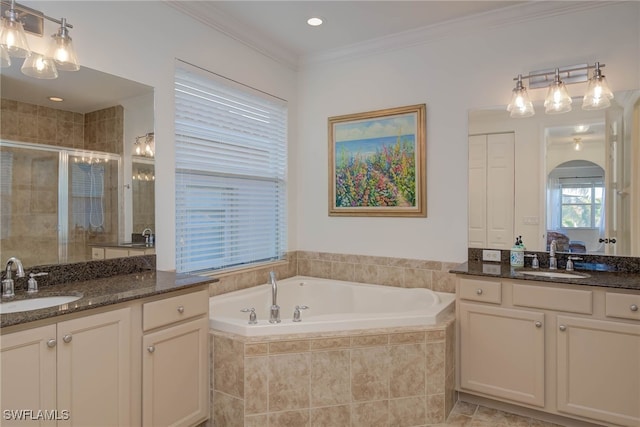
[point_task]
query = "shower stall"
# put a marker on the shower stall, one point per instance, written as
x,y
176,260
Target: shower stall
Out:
x,y
55,202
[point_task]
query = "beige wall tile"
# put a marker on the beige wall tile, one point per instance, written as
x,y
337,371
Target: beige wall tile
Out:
x,y
435,368
390,276
256,421
289,346
256,377
342,271
407,370
228,411
332,416
444,282
330,381
407,412
228,366
288,382
369,373
364,273
370,414
435,409
298,418
407,338
369,340
256,349
417,278
330,343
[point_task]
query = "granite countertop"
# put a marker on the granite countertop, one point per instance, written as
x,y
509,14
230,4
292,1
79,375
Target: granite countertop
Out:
x,y
130,245
607,279
102,292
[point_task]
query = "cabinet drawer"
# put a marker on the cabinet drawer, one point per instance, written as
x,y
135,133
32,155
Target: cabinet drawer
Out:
x,y
481,290
559,299
174,309
97,253
625,306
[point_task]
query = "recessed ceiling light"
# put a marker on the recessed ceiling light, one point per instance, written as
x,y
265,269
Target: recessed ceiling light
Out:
x,y
55,99
315,21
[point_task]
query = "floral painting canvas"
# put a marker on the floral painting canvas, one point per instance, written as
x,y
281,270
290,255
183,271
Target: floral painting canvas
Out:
x,y
377,163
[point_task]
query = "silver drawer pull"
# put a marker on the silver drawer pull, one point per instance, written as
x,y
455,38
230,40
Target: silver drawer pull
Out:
x,y
67,338
479,292
634,307
538,324
51,343
180,309
151,349
563,328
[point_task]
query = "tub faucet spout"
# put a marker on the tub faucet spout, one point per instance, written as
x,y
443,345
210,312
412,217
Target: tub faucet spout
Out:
x,y
274,316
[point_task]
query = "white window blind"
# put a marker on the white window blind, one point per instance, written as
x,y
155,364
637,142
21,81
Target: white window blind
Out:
x,y
230,173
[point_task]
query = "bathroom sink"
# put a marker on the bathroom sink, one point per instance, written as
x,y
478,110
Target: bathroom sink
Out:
x,y
36,303
554,274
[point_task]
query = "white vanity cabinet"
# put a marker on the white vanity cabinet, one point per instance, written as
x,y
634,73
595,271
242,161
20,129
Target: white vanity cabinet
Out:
x,y
568,350
79,368
141,362
175,372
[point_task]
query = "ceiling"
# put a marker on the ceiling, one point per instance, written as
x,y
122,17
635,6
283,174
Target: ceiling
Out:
x,y
280,26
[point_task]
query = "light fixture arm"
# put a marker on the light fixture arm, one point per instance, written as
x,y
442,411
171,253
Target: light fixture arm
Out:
x,y
558,72
31,18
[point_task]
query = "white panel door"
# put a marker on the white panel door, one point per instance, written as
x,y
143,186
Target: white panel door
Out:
x,y
500,190
478,191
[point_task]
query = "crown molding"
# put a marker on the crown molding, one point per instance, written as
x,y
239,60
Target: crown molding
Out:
x,y
529,11
208,14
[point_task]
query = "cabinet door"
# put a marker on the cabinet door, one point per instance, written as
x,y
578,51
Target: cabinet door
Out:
x,y
175,375
502,353
28,368
599,370
94,369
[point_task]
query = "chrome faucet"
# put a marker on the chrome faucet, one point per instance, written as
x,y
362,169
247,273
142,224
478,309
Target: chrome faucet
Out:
x,y
553,262
274,316
7,283
147,233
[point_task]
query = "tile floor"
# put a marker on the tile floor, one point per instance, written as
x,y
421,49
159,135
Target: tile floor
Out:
x,y
470,415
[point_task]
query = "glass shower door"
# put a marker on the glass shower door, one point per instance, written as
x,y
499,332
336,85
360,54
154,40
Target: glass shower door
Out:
x,y
29,204
92,203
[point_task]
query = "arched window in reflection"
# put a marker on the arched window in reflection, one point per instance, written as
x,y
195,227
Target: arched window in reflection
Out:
x,y
576,206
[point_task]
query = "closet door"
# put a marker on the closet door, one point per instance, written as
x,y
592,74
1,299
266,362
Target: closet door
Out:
x,y
491,190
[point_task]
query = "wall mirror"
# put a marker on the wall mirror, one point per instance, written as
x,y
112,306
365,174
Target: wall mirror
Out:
x,y
575,178
72,186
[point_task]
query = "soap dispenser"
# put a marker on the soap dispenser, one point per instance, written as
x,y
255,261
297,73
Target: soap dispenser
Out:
x,y
517,253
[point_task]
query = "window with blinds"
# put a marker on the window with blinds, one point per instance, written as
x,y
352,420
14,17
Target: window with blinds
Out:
x,y
231,153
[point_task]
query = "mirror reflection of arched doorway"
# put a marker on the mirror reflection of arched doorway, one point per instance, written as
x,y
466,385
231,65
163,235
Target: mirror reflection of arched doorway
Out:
x,y
576,206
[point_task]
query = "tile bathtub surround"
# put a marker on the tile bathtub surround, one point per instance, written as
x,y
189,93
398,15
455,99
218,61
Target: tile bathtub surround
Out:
x,y
400,272
384,377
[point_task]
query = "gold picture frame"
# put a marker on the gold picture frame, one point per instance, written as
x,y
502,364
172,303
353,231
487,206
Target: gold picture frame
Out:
x,y
377,163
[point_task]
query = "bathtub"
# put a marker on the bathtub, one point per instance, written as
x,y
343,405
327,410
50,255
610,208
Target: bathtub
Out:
x,y
333,306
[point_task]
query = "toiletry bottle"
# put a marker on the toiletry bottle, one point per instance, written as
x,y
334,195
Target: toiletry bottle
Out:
x,y
517,253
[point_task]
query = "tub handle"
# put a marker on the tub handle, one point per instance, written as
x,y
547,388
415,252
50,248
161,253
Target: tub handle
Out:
x,y
296,312
253,320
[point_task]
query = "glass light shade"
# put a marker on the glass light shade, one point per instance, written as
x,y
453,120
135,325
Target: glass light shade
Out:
x,y
5,60
577,145
520,105
13,38
598,94
558,99
62,51
40,67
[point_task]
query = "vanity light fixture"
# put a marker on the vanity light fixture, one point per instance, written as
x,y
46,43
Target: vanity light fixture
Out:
x,y
39,66
557,100
17,20
577,144
144,145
